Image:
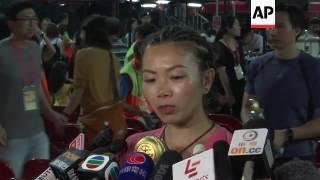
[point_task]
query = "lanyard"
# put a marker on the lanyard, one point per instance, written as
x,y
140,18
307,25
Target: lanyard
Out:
x,y
236,56
28,76
235,53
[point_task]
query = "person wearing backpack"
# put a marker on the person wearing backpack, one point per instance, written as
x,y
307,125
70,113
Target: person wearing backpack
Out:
x,y
286,83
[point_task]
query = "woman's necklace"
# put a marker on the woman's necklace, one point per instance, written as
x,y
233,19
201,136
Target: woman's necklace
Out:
x,y
192,143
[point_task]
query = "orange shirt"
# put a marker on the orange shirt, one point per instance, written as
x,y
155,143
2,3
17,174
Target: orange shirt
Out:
x,y
92,74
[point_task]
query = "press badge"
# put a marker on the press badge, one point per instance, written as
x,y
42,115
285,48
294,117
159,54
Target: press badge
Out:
x,y
239,72
30,98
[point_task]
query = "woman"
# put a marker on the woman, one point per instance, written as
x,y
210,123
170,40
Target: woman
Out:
x,y
177,75
95,70
230,66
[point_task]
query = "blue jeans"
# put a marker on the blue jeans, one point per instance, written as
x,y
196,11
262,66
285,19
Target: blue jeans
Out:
x,y
18,151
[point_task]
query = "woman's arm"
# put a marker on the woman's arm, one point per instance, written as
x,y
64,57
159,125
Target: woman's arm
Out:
x,y
75,100
50,51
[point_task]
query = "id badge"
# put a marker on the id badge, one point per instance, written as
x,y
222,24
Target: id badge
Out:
x,y
30,98
239,72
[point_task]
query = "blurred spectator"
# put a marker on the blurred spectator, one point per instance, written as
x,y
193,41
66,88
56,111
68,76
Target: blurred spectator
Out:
x,y
93,77
251,41
54,41
68,43
230,66
44,23
142,31
118,47
314,26
286,83
22,133
131,88
209,33
134,23
297,170
59,85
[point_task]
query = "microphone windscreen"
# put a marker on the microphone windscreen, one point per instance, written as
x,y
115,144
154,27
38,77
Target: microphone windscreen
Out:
x,y
138,166
104,138
66,164
163,169
199,148
223,169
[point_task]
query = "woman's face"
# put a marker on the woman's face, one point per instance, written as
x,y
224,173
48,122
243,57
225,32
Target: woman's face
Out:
x,y
235,30
172,82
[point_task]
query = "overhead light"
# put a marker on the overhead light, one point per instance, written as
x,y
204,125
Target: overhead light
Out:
x,y
62,4
133,0
196,5
162,2
149,5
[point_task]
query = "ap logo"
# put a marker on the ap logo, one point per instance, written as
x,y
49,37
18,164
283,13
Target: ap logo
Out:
x,y
262,13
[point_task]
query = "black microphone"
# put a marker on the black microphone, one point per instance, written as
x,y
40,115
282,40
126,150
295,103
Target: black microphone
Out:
x,y
223,169
163,169
65,165
252,145
104,138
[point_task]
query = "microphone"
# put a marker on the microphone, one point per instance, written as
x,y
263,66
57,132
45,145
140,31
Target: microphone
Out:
x,y
65,166
252,145
99,166
138,166
163,169
223,169
199,166
199,148
104,138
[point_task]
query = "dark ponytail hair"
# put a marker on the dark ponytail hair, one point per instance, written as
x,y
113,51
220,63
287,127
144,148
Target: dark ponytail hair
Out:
x,y
227,22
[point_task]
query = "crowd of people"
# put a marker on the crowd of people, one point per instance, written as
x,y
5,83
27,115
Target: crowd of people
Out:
x,y
163,81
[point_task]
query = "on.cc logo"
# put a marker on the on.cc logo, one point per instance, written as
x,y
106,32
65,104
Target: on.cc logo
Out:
x,y
191,168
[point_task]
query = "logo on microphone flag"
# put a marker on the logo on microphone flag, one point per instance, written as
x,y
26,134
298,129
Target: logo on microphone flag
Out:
x,y
191,168
95,162
78,142
136,158
112,171
248,142
200,166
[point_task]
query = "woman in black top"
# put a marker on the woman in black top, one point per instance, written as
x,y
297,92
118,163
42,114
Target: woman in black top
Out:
x,y
230,66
